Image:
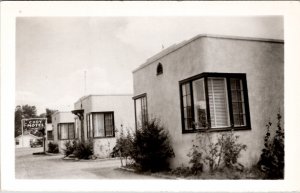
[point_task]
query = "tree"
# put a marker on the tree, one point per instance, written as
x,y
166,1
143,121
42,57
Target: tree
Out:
x,y
18,118
152,148
23,112
49,113
29,111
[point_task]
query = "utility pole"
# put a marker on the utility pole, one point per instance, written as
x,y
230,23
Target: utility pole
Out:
x,y
22,132
84,82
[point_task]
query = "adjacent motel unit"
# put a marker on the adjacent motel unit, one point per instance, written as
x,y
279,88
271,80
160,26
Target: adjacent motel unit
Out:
x,y
100,118
63,129
216,84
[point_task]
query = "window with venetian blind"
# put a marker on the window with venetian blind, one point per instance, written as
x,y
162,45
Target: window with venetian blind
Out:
x,y
66,131
100,124
214,101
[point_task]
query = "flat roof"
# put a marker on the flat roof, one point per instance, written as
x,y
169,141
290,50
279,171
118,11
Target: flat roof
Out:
x,y
175,47
91,95
61,112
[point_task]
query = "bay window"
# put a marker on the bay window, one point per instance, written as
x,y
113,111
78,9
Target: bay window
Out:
x,y
216,101
100,124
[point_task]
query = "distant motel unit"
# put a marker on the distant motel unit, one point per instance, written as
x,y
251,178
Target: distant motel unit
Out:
x,y
100,118
63,129
25,140
213,84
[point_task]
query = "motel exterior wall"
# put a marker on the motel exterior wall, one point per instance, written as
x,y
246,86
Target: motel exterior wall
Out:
x,y
60,117
122,108
260,59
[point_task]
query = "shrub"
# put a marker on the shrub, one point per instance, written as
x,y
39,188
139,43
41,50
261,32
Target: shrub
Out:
x,y
151,147
230,149
83,150
196,160
224,152
123,147
271,161
53,147
181,171
204,153
70,146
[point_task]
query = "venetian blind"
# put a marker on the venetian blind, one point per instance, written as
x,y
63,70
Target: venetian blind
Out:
x,y
71,131
108,124
98,120
64,131
217,93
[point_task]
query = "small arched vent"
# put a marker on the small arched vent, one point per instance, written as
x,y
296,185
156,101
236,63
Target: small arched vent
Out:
x,y
159,69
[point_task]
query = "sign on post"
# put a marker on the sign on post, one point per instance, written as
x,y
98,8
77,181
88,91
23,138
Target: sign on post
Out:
x,y
35,124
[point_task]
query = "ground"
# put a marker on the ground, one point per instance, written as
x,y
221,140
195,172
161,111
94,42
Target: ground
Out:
x,y
30,166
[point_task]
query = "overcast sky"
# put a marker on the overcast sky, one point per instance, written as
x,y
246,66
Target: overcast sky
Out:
x,y
53,53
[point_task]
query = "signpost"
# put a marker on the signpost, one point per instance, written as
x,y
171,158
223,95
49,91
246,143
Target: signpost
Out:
x,y
37,125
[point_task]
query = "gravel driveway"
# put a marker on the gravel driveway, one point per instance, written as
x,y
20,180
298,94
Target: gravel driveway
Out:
x,y
30,166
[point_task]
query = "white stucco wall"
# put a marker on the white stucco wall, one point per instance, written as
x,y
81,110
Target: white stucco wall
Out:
x,y
120,105
262,61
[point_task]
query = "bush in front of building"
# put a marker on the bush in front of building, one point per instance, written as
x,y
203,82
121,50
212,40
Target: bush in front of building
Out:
x,y
123,147
83,150
53,147
271,161
231,150
196,161
151,147
217,156
70,147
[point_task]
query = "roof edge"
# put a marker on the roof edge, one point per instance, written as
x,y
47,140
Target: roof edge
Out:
x,y
60,112
185,42
29,135
90,95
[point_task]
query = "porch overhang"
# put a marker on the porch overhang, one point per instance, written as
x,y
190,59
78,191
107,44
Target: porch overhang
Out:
x,y
78,113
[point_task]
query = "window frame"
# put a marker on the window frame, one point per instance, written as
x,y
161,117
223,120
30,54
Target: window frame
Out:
x,y
88,124
59,131
50,137
159,69
227,77
144,95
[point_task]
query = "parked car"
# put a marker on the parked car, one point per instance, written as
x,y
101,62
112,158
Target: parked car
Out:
x,y
36,143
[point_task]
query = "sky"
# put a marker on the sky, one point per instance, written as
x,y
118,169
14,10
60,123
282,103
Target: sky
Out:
x,y
53,54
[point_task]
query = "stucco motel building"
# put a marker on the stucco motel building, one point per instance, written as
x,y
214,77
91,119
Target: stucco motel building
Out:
x,y
216,84
100,118
63,129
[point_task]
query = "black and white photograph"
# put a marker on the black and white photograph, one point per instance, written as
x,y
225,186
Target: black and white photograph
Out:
x,y
152,98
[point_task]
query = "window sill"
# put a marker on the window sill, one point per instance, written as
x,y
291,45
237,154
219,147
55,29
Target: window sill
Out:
x,y
103,137
217,129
